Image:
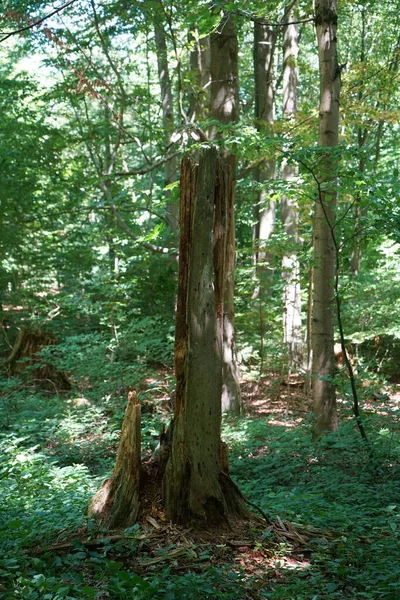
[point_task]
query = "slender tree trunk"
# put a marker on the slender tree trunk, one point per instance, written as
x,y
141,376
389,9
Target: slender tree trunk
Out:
x,y
292,330
324,396
265,209
167,105
309,365
224,107
196,485
362,135
356,251
200,76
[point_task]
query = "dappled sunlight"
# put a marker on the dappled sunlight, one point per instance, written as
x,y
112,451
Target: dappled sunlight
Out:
x,y
307,489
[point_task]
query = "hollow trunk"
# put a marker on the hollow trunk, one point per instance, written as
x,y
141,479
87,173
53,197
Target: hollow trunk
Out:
x,y
324,396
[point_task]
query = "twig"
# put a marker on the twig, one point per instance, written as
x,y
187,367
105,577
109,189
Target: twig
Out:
x,y
38,550
263,21
143,170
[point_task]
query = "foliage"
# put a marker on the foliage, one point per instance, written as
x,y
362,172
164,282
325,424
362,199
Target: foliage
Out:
x,y
54,455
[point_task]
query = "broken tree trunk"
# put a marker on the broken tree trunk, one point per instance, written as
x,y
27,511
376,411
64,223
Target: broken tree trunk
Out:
x,y
224,108
196,486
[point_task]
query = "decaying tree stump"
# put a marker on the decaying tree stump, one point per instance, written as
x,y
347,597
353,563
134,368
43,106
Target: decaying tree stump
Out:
x,y
117,501
25,358
192,462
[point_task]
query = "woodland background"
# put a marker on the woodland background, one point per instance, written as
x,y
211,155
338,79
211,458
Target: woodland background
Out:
x,y
98,104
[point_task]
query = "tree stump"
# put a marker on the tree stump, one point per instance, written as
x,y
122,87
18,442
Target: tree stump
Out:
x,y
117,501
25,359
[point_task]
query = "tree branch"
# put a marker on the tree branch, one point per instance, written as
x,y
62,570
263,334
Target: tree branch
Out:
x,y
143,170
263,21
8,34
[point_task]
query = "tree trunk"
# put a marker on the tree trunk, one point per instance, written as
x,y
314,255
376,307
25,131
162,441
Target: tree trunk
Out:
x,y
265,209
196,487
309,366
324,396
224,107
362,135
292,331
167,105
231,400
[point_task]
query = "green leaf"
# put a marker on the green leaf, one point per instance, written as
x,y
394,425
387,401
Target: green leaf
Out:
x,y
89,591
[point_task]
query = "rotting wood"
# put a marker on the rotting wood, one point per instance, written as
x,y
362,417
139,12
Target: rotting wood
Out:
x,y
25,359
117,501
190,471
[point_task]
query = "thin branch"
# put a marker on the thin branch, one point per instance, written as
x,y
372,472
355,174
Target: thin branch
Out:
x,y
357,233
65,546
346,212
143,170
263,21
8,34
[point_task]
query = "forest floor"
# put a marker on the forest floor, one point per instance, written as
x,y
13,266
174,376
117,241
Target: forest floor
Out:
x,y
333,517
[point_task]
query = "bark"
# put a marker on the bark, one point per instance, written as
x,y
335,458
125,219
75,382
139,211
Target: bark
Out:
x,y
231,400
167,105
357,250
117,501
265,210
224,102
224,107
292,330
309,367
324,397
196,486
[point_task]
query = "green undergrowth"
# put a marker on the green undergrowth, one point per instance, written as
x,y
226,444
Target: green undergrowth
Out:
x,y
55,455
336,485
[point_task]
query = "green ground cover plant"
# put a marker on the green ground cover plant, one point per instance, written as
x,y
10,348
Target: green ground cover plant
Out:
x,y
55,455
